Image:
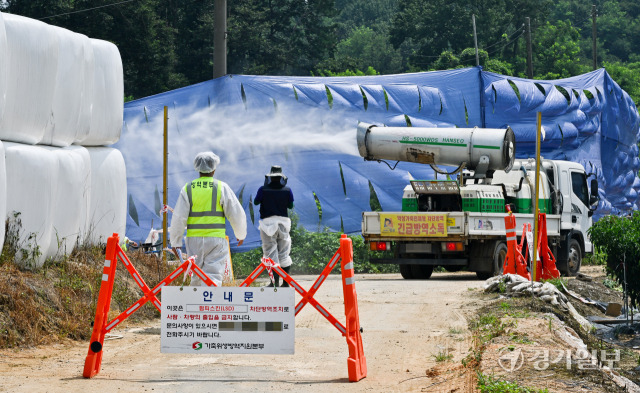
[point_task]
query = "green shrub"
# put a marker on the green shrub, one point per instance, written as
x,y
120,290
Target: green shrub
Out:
x,y
311,251
619,239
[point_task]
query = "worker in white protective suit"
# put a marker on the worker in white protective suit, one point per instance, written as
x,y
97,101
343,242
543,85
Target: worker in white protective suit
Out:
x,y
202,209
274,199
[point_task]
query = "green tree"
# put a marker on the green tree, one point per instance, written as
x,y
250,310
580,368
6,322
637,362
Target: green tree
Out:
x,y
282,37
366,47
556,51
627,75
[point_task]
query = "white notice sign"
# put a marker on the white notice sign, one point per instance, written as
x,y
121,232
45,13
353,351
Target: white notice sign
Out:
x,y
227,320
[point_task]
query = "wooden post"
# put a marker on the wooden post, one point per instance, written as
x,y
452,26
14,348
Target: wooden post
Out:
x,y
220,39
475,39
164,183
534,260
529,50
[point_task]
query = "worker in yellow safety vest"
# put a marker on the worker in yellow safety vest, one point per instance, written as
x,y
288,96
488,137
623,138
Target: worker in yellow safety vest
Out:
x,y
202,209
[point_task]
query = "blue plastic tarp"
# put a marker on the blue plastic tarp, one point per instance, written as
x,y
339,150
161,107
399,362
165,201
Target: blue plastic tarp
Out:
x,y
308,126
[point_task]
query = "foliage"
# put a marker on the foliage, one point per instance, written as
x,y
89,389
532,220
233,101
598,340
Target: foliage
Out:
x,y
619,239
598,257
491,384
169,44
557,51
310,252
557,282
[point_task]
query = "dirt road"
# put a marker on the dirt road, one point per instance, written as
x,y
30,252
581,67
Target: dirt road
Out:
x,y
406,324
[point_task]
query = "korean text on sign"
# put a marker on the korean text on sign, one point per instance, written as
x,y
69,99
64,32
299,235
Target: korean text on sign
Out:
x,y
426,225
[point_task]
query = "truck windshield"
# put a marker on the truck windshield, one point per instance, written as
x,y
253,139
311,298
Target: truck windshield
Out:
x,y
579,184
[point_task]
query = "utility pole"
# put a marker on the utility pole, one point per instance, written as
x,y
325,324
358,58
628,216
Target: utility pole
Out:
x,y
593,33
529,50
475,39
220,39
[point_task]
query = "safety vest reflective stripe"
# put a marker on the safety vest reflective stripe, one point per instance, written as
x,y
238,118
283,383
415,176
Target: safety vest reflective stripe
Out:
x,y
208,218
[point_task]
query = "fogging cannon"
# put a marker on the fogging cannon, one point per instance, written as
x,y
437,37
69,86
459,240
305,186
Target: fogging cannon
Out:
x,y
481,150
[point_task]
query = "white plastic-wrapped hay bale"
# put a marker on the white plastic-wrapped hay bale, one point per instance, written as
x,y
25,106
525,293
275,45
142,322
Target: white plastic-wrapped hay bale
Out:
x,y
70,197
108,199
108,96
32,57
32,172
84,122
3,65
68,98
3,191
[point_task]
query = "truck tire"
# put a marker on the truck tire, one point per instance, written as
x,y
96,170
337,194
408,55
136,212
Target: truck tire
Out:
x,y
405,271
499,256
497,261
574,260
422,272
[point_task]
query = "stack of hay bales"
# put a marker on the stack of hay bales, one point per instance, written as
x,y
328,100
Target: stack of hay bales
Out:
x,y
61,105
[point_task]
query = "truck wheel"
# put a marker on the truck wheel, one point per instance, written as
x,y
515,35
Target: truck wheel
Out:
x,y
405,271
574,261
422,272
499,256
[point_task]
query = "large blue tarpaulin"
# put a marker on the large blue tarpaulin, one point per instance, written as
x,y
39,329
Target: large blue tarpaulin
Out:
x,y
308,126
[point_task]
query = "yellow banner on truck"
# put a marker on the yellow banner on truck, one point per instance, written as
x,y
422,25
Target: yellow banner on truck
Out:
x,y
411,224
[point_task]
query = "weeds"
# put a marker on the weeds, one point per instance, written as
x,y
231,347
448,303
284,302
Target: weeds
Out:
x,y
454,330
491,384
557,282
443,355
57,300
311,251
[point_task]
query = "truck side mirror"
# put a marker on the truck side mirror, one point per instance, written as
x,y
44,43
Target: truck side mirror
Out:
x,y
594,198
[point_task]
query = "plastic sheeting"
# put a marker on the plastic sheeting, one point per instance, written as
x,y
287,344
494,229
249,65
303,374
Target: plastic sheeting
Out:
x,y
32,172
4,65
57,87
32,57
71,195
71,112
62,197
108,200
3,191
108,93
308,126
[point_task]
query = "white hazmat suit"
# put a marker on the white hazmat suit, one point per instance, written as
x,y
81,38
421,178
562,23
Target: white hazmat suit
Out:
x,y
212,252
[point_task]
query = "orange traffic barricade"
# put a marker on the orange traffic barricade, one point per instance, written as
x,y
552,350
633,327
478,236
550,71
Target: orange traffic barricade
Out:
x,y
514,262
546,269
101,323
356,362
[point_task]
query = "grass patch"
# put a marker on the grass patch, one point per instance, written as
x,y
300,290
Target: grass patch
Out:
x,y
443,356
491,384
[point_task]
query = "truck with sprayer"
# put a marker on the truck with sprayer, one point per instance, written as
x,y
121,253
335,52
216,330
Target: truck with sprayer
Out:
x,y
459,224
